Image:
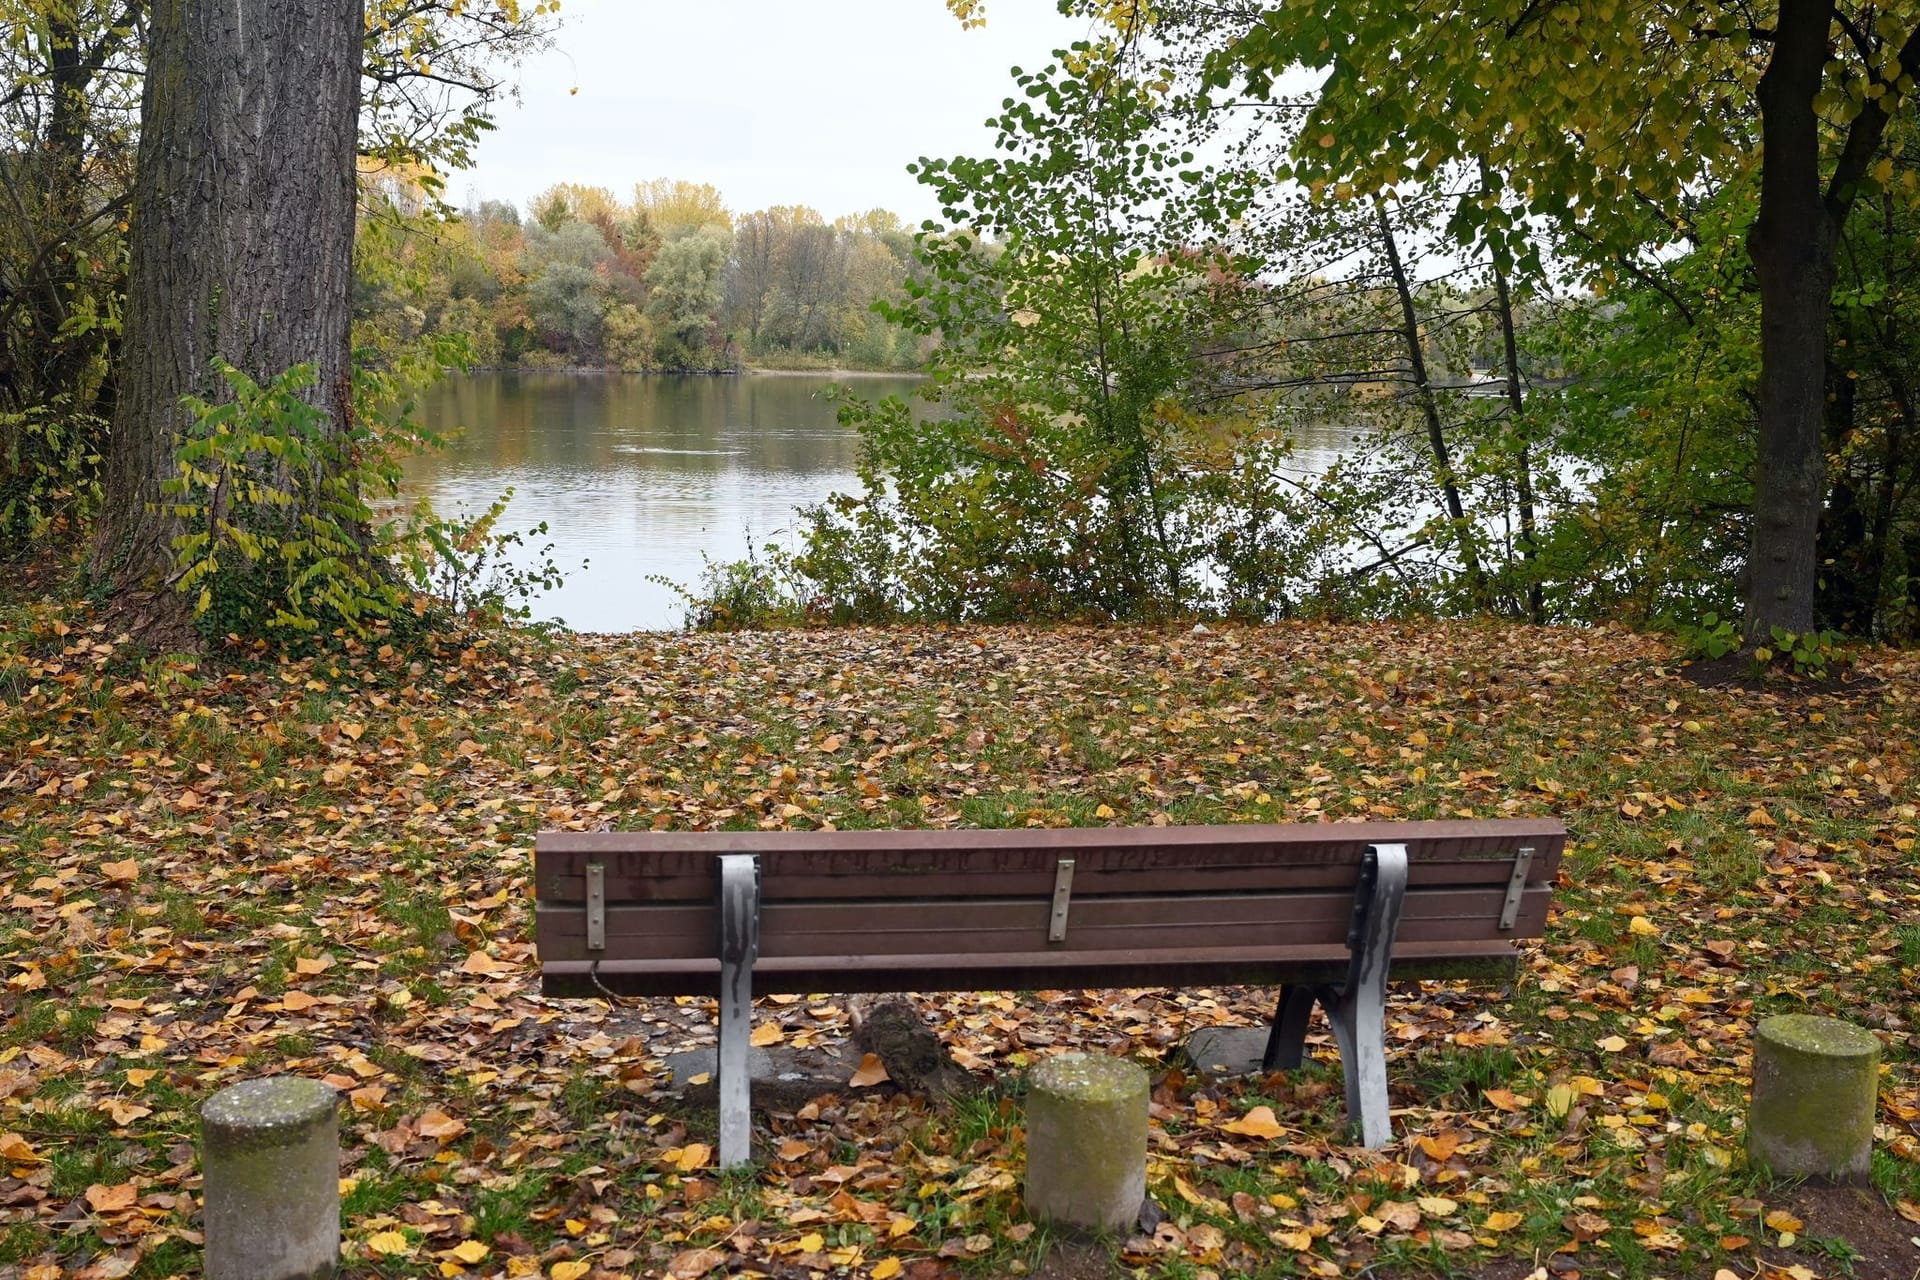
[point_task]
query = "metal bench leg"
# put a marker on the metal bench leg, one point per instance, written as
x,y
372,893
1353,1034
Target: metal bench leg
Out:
x,y
739,946
1358,1011
1287,1042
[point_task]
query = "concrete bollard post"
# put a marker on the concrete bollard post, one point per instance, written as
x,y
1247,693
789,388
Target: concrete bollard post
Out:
x,y
1087,1141
1816,1086
270,1152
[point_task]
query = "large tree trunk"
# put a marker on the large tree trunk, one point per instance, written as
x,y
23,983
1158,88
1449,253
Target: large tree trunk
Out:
x,y
1792,245
242,240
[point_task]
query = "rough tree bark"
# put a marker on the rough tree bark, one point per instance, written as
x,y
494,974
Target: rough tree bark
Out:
x,y
242,243
1792,244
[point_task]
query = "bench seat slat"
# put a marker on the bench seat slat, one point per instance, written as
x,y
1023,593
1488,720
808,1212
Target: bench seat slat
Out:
x,y
819,929
1027,970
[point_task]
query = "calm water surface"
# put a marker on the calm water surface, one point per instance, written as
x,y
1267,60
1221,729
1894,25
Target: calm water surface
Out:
x,y
639,476
642,477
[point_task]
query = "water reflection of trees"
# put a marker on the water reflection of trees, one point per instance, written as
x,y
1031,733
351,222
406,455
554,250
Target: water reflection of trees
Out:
x,y
589,423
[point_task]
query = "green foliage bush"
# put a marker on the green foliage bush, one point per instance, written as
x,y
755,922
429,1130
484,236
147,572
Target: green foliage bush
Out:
x,y
759,590
50,460
279,537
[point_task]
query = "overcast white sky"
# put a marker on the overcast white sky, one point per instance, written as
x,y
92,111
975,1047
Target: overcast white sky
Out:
x,y
771,101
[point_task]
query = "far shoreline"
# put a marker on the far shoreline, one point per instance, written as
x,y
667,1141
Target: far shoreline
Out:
x,y
750,371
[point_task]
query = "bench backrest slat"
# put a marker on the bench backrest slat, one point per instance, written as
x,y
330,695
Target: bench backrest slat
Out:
x,y
679,866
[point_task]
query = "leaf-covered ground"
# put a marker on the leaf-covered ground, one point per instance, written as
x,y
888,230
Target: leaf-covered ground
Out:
x,y
323,868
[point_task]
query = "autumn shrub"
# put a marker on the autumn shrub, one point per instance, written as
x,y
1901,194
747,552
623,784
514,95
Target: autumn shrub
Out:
x,y
480,570
280,537
50,459
277,531
761,589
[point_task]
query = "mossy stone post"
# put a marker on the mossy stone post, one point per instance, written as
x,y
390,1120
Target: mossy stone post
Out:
x,y
1816,1086
1087,1141
270,1152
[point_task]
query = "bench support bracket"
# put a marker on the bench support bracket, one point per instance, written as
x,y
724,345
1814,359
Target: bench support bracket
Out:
x,y
739,947
1357,1010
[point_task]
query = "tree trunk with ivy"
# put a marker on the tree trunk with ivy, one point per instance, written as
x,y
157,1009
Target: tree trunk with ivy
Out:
x,y
241,251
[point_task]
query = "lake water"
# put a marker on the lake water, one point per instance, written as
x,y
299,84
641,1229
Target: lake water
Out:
x,y
643,477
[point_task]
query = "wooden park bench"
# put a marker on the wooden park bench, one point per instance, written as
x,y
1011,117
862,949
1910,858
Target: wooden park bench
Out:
x,y
1328,912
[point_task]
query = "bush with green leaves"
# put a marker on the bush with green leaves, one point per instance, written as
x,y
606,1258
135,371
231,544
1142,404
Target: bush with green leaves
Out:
x,y
279,536
761,589
272,496
478,570
50,460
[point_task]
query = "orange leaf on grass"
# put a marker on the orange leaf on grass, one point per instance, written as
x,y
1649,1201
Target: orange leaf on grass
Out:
x,y
114,1199
1257,1123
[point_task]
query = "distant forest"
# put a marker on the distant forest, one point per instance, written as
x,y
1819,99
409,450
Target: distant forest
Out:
x,y
668,281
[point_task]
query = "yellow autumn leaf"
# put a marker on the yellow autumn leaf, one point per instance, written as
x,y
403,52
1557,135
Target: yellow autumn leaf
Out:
x,y
885,1269
693,1156
870,1072
436,1123
1781,1220
1644,927
1257,1123
812,1242
1298,1241
1559,1100
1501,1222
388,1244
481,964
765,1034
470,1251
122,1111
105,1199
572,1269
1612,1044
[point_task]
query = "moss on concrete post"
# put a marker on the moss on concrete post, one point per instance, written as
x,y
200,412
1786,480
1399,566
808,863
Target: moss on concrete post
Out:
x,y
270,1152
1816,1086
1087,1141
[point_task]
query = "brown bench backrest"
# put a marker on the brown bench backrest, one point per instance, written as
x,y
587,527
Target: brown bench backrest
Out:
x,y
933,910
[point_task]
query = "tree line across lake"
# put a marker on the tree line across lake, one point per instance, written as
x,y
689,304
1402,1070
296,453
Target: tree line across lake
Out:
x,y
669,281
